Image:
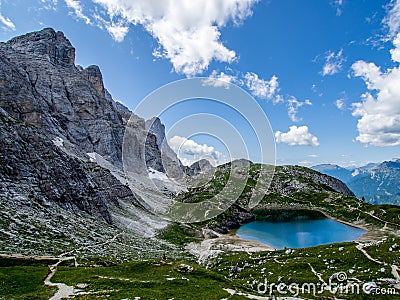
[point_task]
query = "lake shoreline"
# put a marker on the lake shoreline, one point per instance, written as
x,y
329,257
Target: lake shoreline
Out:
x,y
346,222
305,236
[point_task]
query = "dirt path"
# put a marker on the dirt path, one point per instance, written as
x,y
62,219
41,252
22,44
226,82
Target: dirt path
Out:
x,y
395,273
64,291
378,219
394,268
92,246
361,248
316,274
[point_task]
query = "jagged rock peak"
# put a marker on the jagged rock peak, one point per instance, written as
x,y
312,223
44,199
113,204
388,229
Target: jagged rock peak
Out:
x,y
201,166
155,127
46,42
96,78
241,163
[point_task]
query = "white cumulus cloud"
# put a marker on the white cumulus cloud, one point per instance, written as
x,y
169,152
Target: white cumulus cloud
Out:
x,y
219,79
293,106
395,52
392,20
379,110
339,103
117,31
297,136
188,32
333,63
189,151
76,6
338,5
7,22
262,88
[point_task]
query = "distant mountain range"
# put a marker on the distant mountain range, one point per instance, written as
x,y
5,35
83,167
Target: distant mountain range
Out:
x,y
378,183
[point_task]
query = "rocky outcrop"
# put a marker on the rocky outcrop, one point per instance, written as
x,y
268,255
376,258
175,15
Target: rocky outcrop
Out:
x,y
236,218
199,167
40,85
47,44
159,155
288,179
33,167
96,78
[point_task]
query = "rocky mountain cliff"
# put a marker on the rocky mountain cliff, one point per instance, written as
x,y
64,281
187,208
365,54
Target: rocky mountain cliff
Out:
x,y
163,159
34,169
62,136
41,85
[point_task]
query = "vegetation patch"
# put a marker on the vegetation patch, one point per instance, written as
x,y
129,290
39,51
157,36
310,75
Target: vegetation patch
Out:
x,y
177,235
147,280
23,279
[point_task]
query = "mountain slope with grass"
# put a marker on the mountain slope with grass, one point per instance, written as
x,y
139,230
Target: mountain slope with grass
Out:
x,y
292,188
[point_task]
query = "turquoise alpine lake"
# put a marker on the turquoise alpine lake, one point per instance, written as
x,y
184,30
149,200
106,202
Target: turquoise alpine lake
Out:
x,y
299,233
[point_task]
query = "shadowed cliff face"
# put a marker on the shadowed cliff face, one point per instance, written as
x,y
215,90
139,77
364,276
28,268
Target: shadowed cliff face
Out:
x,y
34,170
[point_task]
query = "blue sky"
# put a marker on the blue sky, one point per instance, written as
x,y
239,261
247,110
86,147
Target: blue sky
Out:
x,y
325,72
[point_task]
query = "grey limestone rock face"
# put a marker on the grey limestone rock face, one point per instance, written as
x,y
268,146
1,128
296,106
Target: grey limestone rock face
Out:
x,y
41,85
45,97
297,178
32,167
159,155
46,43
201,166
96,78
